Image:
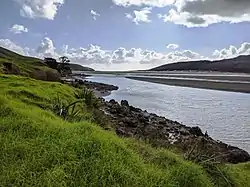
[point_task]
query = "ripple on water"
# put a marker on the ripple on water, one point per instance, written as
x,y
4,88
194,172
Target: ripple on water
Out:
x,y
225,115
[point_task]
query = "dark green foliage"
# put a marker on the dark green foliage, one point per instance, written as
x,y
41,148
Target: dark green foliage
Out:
x,y
64,60
88,97
72,110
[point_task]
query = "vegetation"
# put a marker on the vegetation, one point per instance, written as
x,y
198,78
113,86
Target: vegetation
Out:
x,y
13,63
64,60
39,147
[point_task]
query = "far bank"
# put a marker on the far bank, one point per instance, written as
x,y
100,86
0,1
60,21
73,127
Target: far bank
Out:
x,y
243,87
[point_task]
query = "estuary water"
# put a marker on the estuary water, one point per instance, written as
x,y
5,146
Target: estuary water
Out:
x,y
224,115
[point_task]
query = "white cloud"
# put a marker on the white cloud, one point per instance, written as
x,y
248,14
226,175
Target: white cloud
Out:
x,y
201,13
8,44
129,16
145,58
172,46
244,48
153,3
46,48
140,16
39,8
232,51
94,14
18,29
197,13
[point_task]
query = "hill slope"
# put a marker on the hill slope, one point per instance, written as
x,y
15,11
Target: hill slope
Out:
x,y
42,149
13,63
240,64
78,67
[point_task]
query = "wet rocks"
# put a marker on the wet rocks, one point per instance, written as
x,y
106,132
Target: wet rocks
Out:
x,y
196,131
99,89
236,155
96,86
130,121
124,103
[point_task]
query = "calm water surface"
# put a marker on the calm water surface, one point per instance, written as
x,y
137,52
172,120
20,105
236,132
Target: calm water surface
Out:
x,y
225,115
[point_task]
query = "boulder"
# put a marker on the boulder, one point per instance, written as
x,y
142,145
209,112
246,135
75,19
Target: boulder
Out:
x,y
124,103
112,101
236,156
10,68
196,131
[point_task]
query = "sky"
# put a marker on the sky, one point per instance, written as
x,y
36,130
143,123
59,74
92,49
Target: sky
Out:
x,y
126,34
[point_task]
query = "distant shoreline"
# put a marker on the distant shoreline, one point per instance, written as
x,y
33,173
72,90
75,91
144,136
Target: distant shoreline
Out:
x,y
203,84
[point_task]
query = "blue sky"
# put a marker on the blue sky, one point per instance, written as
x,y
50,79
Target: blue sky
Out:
x,y
126,34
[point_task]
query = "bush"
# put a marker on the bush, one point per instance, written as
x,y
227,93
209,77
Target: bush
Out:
x,y
88,97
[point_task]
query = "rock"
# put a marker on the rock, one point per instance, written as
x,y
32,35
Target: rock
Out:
x,y
10,68
162,122
196,131
135,109
97,86
112,101
130,121
121,124
183,131
236,156
124,103
123,132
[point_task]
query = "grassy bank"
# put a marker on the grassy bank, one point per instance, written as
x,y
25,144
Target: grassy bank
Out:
x,y
38,148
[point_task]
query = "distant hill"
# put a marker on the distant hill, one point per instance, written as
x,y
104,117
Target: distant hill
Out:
x,y
78,67
240,64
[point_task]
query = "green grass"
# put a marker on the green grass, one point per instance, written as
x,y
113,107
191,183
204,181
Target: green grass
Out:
x,y
28,66
39,148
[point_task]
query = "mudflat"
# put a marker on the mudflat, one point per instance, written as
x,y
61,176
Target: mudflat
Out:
x,y
204,84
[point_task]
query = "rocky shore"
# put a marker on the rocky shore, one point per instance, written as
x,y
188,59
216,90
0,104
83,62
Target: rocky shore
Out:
x,y
133,122
99,89
129,121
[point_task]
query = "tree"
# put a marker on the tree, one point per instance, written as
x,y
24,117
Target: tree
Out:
x,y
64,60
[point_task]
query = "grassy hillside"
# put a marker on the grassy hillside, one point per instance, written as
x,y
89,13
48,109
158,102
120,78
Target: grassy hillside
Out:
x,y
13,63
38,148
240,64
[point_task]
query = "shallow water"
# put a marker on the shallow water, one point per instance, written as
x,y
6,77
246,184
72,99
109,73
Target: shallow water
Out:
x,y
224,115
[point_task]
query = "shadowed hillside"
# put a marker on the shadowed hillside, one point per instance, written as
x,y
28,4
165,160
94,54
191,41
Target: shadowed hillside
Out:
x,y
14,63
240,64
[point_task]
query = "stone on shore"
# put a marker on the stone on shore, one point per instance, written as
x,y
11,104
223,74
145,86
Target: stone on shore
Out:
x,y
134,122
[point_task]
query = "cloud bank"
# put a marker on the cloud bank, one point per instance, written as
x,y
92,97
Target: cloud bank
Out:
x,y
121,58
197,13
